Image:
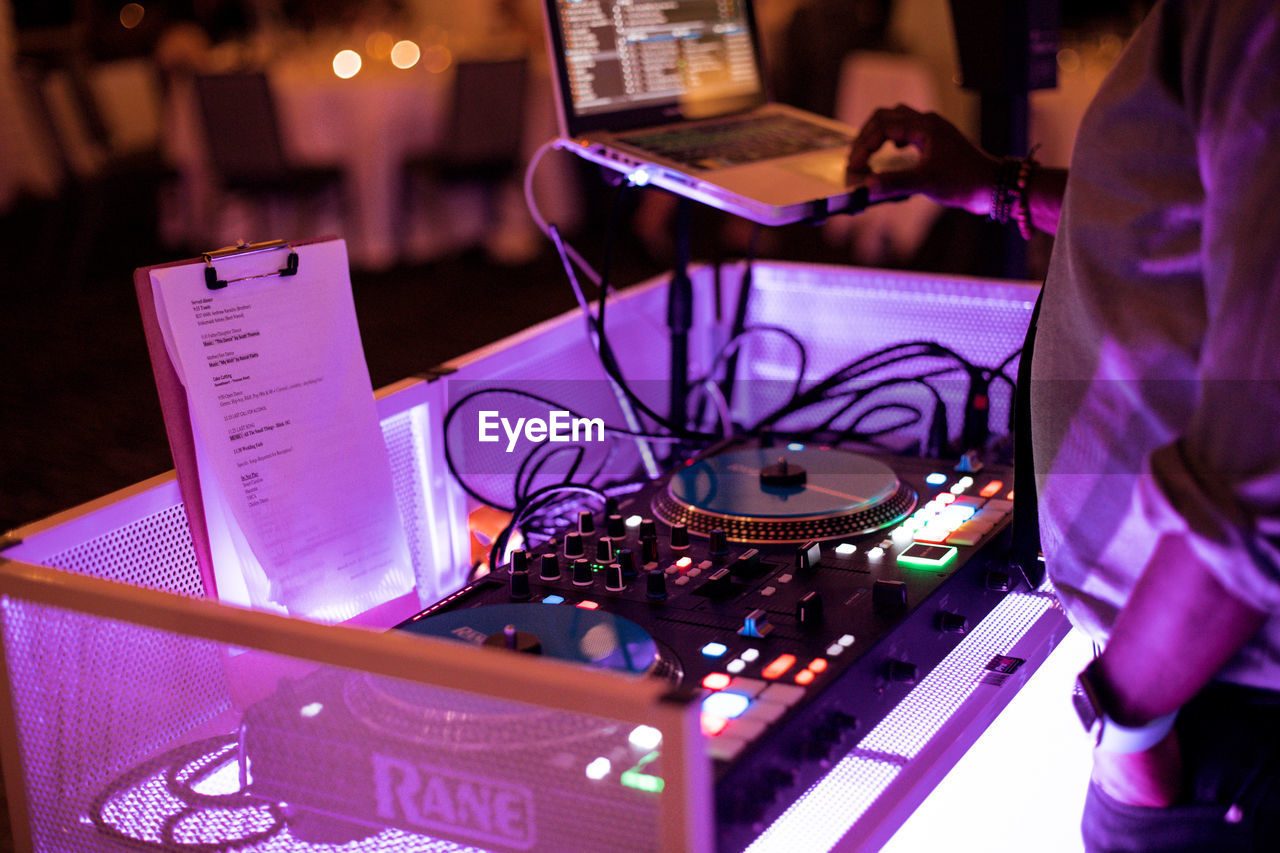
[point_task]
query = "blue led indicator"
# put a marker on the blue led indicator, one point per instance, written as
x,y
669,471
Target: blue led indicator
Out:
x,y
795,445
553,599
714,650
936,479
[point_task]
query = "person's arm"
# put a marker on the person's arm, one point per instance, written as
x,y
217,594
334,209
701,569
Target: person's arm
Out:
x,y
1212,494
1177,630
951,170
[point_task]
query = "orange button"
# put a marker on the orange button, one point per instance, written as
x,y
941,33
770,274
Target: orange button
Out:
x,y
778,666
804,676
818,664
716,681
990,489
588,605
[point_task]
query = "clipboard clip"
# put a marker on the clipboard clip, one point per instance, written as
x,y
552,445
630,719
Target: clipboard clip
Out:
x,y
211,280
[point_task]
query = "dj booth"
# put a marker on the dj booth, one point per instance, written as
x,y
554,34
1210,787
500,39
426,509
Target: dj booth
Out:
x,y
714,675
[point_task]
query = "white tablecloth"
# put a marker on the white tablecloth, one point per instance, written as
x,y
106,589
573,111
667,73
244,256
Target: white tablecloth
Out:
x,y
368,125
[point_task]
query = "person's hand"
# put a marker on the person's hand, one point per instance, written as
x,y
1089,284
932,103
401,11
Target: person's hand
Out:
x,y
950,169
1151,778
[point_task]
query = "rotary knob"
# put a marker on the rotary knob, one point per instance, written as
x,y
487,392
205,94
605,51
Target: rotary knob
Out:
x,y
679,537
655,585
519,561
586,524
573,546
627,560
613,580
616,526
604,550
549,570
583,574
520,586
718,542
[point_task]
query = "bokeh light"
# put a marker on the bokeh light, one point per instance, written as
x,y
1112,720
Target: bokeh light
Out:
x,y
346,64
437,58
131,15
379,45
405,54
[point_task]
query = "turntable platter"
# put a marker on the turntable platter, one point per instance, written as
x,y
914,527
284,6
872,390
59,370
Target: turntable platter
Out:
x,y
780,495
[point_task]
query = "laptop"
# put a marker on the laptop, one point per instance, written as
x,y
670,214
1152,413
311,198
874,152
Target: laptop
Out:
x,y
672,93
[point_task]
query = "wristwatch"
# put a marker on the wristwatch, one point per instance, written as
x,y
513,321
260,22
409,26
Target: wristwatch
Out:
x,y
1089,699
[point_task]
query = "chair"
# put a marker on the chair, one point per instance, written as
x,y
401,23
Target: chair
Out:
x,y
482,143
106,190
244,144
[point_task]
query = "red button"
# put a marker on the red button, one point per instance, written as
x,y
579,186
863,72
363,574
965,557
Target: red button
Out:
x,y
716,681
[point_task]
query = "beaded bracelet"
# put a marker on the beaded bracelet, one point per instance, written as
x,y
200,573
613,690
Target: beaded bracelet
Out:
x,y
1009,197
1003,189
1022,208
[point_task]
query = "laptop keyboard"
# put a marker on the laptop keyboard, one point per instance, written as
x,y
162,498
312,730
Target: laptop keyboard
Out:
x,y
732,143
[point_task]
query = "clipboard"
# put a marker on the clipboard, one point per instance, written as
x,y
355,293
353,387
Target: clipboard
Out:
x,y
173,395
286,262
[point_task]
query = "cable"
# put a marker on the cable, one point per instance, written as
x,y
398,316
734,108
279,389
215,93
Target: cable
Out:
x,y
497,552
451,462
571,259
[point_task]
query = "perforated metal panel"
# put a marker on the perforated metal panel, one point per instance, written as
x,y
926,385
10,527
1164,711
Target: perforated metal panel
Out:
x,y
842,313
123,746
92,698
154,551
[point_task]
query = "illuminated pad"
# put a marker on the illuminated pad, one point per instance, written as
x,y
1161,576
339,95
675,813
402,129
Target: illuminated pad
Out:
x,y
927,556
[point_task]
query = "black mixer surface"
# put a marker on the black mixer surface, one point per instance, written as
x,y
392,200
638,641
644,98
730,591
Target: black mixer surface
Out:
x,y
798,591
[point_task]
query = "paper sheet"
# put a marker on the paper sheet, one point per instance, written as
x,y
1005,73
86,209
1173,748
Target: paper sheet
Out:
x,y
293,471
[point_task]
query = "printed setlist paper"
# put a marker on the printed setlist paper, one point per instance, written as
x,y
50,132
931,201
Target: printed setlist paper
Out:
x,y
294,474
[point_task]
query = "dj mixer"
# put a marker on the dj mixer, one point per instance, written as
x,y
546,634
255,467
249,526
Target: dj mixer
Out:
x,y
797,592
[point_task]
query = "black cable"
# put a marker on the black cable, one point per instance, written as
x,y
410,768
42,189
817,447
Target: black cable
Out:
x,y
498,548
609,363
741,308
453,410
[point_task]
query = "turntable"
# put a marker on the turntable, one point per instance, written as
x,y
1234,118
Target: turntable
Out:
x,y
762,495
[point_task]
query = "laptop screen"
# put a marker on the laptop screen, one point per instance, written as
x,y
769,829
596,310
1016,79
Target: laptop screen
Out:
x,y
625,63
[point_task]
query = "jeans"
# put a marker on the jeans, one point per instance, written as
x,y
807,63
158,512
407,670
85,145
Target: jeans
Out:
x,y
1230,739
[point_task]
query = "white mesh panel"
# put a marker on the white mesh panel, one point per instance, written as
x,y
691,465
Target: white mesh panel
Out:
x,y
126,745
154,551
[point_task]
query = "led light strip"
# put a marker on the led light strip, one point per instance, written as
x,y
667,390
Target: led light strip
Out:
x,y
823,814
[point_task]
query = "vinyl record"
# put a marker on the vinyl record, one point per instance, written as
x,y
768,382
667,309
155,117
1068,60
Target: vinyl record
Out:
x,y
782,495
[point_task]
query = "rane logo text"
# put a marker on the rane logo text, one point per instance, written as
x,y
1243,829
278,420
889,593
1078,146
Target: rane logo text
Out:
x,y
456,805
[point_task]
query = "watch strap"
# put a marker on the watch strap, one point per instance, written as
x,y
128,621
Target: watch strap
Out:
x,y
1111,736
1116,738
